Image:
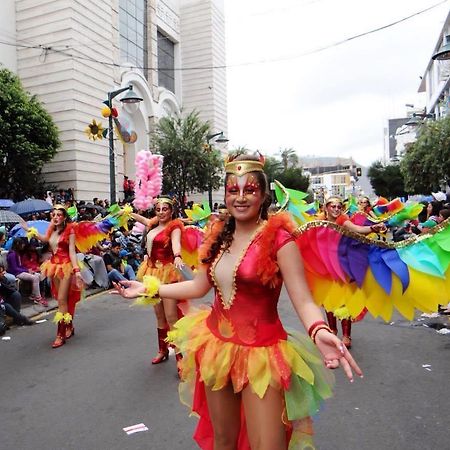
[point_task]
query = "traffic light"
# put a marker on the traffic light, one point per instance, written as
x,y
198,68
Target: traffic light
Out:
x,y
358,171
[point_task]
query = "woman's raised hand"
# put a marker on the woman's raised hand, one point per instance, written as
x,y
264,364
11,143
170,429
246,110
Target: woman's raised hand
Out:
x,y
129,289
335,354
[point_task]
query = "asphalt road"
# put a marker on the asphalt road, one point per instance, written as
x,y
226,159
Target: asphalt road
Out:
x,y
82,395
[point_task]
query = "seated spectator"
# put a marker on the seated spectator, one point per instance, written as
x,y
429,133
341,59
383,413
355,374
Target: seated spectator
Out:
x,y
11,299
121,237
30,256
117,270
96,265
443,215
16,268
132,257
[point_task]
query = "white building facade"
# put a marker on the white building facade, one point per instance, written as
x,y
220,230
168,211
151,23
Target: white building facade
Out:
x,y
436,79
72,53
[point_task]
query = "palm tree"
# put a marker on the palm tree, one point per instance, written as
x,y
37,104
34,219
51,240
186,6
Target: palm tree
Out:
x,y
289,158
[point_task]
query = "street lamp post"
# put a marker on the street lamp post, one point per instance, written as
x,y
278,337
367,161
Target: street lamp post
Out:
x,y
129,98
220,138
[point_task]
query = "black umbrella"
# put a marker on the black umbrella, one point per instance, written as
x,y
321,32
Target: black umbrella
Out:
x,y
7,216
30,206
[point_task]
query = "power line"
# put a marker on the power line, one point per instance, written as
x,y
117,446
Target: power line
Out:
x,y
225,66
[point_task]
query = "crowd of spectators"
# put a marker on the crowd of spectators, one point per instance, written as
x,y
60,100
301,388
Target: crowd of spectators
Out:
x,y
118,257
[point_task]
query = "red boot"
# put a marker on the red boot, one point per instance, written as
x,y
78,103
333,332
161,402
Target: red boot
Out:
x,y
70,330
332,322
60,339
346,332
163,353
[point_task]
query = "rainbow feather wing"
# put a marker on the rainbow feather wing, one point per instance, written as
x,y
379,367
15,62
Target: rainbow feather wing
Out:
x,y
88,234
346,269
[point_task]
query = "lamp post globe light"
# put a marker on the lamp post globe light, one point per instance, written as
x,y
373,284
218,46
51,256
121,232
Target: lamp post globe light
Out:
x,y
131,103
220,139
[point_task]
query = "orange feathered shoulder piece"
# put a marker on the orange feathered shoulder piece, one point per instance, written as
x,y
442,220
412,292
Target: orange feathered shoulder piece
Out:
x,y
267,267
172,225
210,237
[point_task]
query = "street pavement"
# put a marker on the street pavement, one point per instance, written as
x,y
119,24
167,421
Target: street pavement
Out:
x,y
83,394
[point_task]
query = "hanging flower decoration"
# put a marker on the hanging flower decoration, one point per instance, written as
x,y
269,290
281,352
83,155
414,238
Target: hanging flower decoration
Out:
x,y
94,130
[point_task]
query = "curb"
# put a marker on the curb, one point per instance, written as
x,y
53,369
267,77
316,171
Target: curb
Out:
x,y
31,310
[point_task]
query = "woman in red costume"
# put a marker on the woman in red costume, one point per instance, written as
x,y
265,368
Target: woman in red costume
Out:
x,y
63,270
333,212
253,385
163,247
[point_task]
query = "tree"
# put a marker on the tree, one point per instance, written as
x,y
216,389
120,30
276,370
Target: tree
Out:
x,y
426,164
289,158
28,139
272,167
294,178
188,167
387,181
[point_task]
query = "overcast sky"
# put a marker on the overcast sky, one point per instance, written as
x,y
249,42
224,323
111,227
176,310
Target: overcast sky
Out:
x,y
334,102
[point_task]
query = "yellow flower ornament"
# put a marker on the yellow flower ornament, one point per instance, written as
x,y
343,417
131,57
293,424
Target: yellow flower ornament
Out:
x,y
94,130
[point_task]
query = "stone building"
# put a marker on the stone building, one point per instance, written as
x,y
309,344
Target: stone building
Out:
x,y
71,53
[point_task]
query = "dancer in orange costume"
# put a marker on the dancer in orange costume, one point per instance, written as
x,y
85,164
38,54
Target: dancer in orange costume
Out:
x,y
163,247
63,270
252,384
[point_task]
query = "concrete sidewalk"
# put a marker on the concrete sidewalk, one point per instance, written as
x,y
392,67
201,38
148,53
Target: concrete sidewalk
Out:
x,y
31,310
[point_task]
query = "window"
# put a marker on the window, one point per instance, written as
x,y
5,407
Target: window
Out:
x,y
166,62
133,32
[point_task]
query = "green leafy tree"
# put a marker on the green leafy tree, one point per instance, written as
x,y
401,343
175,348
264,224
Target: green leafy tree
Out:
x,y
294,178
426,164
28,139
188,165
386,181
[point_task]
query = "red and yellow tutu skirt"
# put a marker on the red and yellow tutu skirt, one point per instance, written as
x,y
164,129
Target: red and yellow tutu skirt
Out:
x,y
294,366
61,269
166,273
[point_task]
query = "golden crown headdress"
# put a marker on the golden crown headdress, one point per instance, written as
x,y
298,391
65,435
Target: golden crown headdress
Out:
x,y
333,198
165,199
242,166
59,206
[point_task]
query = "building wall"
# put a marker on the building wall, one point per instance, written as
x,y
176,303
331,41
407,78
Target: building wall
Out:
x,y
8,56
71,81
436,80
78,63
203,47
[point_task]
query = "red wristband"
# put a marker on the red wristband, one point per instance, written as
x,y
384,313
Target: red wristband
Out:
x,y
177,255
317,329
314,325
76,270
